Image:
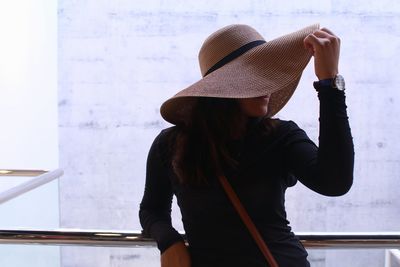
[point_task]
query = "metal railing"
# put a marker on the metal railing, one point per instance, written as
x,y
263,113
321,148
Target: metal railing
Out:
x,y
11,172
40,178
337,240
386,240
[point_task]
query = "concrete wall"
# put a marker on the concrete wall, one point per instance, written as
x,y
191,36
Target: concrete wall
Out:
x,y
119,60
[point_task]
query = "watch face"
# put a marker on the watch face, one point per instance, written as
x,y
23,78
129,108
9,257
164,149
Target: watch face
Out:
x,y
339,82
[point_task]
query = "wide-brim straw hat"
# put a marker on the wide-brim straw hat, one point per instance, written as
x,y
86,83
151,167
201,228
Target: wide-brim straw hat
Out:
x,y
236,62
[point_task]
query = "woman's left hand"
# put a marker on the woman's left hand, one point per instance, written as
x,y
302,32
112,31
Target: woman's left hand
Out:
x,y
325,47
176,255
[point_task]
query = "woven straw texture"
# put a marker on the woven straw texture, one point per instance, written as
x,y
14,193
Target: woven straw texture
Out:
x,y
273,68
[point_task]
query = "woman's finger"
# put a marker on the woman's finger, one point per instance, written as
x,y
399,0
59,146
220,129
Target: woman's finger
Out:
x,y
325,51
326,36
328,31
311,41
322,34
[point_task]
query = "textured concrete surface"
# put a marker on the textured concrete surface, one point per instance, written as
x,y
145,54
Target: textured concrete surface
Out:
x,y
118,61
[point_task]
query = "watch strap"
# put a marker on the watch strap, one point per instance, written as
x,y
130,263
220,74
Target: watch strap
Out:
x,y
330,83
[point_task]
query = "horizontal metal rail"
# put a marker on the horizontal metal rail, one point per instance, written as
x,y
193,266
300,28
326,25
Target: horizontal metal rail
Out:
x,y
78,237
11,172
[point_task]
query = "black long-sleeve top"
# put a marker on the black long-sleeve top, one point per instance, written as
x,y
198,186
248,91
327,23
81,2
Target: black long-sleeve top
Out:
x,y
267,166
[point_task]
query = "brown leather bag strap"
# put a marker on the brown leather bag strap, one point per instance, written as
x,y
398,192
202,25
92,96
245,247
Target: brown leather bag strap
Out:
x,y
247,221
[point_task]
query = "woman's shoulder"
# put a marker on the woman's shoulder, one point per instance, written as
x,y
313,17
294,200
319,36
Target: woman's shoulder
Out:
x,y
283,126
166,136
163,143
166,133
289,132
286,124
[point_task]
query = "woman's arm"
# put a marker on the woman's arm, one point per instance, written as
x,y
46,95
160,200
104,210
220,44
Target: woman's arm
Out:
x,y
329,168
155,208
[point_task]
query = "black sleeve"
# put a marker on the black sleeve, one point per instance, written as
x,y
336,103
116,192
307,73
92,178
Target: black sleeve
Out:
x,y
155,208
328,169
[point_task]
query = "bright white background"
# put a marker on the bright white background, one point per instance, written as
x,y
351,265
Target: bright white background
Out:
x,y
28,84
119,60
28,122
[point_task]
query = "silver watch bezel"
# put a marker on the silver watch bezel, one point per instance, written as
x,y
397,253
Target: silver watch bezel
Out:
x,y
339,83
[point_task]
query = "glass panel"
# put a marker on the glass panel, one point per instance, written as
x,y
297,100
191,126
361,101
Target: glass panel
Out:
x,y
346,257
40,256
32,256
9,182
35,209
109,257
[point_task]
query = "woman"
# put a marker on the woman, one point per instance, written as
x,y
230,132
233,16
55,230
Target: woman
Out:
x,y
223,126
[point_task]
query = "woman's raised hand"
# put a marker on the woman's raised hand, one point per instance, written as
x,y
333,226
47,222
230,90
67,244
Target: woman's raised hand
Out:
x,y
176,255
325,47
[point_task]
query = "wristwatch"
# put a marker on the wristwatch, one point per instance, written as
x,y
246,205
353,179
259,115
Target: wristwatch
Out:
x,y
336,82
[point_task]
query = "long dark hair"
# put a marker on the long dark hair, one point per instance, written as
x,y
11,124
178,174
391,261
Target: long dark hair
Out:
x,y
200,148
